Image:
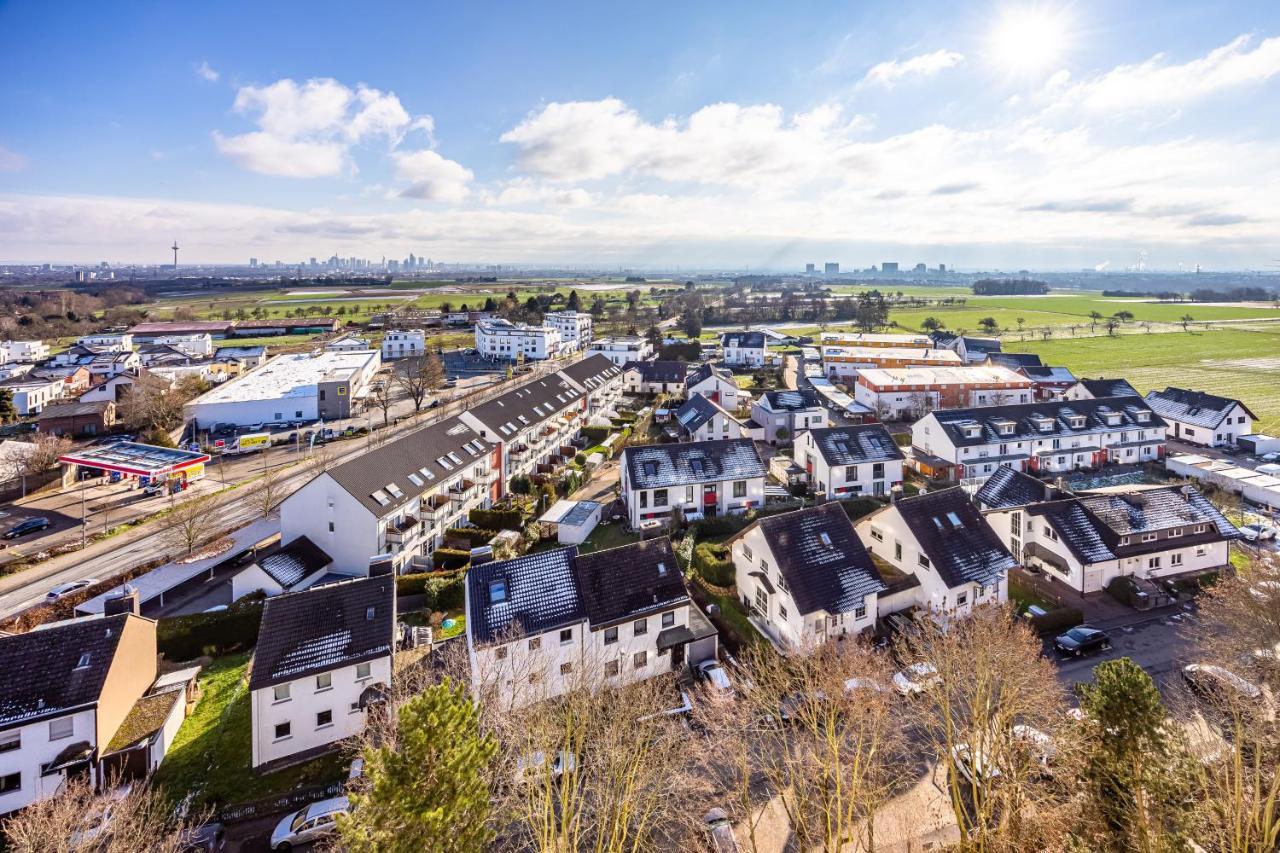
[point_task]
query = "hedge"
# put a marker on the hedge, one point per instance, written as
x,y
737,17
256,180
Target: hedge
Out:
x,y
595,434
477,536
187,637
1122,589
721,525
1057,620
856,508
497,519
443,591
712,562
449,558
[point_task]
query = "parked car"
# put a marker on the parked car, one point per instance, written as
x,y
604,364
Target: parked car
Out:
x,y
916,679
972,765
720,831
1249,532
62,590
1082,640
1258,532
210,838
308,824
1210,678
717,679
30,525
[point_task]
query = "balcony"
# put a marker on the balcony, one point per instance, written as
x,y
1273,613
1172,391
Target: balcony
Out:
x,y
519,451
402,531
463,491
433,507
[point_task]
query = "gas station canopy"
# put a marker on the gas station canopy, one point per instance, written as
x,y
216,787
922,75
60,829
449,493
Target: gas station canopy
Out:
x,y
141,460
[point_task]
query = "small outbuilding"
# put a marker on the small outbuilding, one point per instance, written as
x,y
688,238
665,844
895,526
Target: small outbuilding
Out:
x,y
574,520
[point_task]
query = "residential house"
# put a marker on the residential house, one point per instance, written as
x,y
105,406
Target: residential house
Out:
x,y
621,350
351,343
1052,437
744,349
109,342
546,623
114,388
1050,382
843,462
28,352
785,414
104,365
972,350
404,343
1092,389
76,418
705,478
535,424
1199,418
30,396
1087,541
599,378
198,345
75,377
1013,360
716,384
506,341
396,499
247,357
805,577
700,419
323,657
655,377
912,392
944,542
281,568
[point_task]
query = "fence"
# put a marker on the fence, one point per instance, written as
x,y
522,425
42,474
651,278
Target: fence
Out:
x,y
295,799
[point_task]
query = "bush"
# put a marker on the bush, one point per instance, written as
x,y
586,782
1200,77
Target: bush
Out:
x,y
521,485
449,558
1122,589
1057,620
497,519
856,508
187,637
443,591
721,525
595,434
712,562
477,536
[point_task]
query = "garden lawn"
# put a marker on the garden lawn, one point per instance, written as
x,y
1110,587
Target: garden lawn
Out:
x,y
607,536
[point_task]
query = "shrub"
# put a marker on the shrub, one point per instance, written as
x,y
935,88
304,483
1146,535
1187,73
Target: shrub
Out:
x,y
856,508
1057,620
1122,589
712,562
449,558
521,484
443,591
497,519
721,525
187,637
595,434
477,536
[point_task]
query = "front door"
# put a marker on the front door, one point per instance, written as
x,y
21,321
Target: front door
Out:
x,y
677,657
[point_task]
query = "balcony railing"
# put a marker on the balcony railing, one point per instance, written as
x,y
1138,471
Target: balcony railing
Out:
x,y
462,491
403,531
433,507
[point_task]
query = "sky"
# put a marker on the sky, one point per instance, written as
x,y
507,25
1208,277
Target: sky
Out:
x,y
986,134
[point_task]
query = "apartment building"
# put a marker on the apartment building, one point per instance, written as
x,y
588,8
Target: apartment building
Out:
x,y
1051,438
574,328
782,415
599,378
845,362
905,393
503,340
31,395
843,462
28,352
875,341
621,351
534,424
972,350
704,478
1199,418
404,343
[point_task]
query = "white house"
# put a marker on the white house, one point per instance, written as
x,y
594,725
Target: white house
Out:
x,y
108,342
655,377
804,577
716,384
709,477
972,350
195,345
1199,418
699,419
1049,437
323,656
1086,541
396,499
942,540
506,341
621,350
744,349
784,414
543,624
597,377
1092,389
911,392
844,462
23,351
404,343
283,567
574,328
30,396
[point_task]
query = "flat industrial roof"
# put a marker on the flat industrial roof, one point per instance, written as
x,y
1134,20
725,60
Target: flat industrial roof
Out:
x,y
287,376
954,375
128,457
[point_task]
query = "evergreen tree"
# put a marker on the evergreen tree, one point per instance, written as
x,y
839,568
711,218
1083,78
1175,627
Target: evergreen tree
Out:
x,y
428,791
490,304
574,304
7,410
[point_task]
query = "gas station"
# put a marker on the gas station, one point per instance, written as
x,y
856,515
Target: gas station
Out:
x,y
145,464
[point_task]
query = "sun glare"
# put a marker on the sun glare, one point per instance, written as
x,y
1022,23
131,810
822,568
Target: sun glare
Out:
x,y
1028,39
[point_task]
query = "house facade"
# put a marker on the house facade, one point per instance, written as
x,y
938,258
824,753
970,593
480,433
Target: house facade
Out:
x,y
574,328
709,477
699,419
843,462
845,362
972,350
30,396
655,377
744,349
1199,418
716,384
1092,389
533,424
403,343
783,415
911,392
75,418
503,340
621,351
28,352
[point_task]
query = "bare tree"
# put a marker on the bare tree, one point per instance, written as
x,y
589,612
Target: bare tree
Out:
x,y
419,377
188,521
45,454
322,458
153,402
381,397
267,491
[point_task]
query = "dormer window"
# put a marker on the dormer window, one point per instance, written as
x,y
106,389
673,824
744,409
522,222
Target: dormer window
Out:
x,y
1076,421
1142,417
83,663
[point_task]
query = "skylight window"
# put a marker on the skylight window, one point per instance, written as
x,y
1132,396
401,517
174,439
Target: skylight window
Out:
x,y
444,463
424,472
454,457
842,447
662,569
523,420
394,490
504,429
381,497
826,539
954,519
83,662
650,468
369,613
415,479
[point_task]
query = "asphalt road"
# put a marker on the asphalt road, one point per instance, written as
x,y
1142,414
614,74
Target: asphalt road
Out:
x,y
1155,643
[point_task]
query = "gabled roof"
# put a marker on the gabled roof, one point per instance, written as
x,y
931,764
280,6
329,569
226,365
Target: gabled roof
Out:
x,y
622,583
1007,488
824,563
324,628
1081,532
367,476
792,401
40,674
959,543
592,372
659,371
697,411
1014,360
747,340
532,403
705,371
987,345
853,445
656,466
1023,417
1044,373
1156,509
1193,407
528,595
289,564
1109,388
73,409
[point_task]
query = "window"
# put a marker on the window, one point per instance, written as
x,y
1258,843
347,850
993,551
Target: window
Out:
x,y
611,668
610,636
740,488
281,693
61,728
566,636
897,550
283,730
1153,562
640,628
324,718
1175,559
962,599
639,660
644,500
11,782
331,527
10,741
924,561
659,497
500,653
764,566
1149,537
746,552
535,644
566,668
324,681
668,619
688,495
860,612
1175,533
877,535
83,662
363,671
782,612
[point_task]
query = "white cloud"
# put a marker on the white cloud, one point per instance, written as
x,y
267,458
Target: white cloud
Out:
x,y
925,65
206,72
431,177
1155,83
12,161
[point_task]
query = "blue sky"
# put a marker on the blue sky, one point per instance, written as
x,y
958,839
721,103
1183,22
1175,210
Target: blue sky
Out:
x,y
1041,134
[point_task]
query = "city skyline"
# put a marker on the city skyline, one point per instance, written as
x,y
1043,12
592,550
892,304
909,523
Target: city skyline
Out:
x,y
1000,135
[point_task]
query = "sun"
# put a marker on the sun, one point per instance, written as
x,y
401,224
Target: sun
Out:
x,y
1028,39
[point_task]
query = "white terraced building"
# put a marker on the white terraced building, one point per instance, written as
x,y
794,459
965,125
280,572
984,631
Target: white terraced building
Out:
x,y
574,328
621,350
705,478
503,340
845,461
404,343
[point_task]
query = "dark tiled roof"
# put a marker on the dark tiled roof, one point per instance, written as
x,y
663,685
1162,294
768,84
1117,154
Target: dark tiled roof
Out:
x,y
943,339
1043,373
655,466
955,537
659,371
855,444
1156,509
743,340
321,629
72,410
1081,532
39,676
288,564
792,401
705,371
541,594
1025,428
536,401
625,582
988,345
695,412
834,573
1193,407
393,463
1014,360
1007,488
1109,388
592,372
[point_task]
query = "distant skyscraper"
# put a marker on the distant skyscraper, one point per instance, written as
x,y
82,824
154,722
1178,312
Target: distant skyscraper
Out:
x,y
808,268
942,267
889,266
253,263
831,268
920,268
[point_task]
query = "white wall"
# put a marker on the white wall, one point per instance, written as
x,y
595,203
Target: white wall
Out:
x,y
1235,424
322,504
842,481
404,344
304,703
727,394
35,751
679,496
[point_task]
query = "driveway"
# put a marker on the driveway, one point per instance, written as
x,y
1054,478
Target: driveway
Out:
x,y
1154,642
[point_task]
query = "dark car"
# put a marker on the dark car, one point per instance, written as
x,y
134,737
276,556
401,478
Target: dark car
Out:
x,y
1082,640
31,525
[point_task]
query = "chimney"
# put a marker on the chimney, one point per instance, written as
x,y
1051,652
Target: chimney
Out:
x,y
123,600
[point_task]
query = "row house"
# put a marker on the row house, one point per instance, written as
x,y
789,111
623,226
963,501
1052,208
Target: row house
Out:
x,y
912,392
843,462
600,379
544,624
574,328
716,384
534,424
744,349
655,377
506,341
1093,389
875,340
704,478
1199,418
1086,541
403,343
1039,438
782,415
845,362
621,350
700,419
1050,382
324,656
